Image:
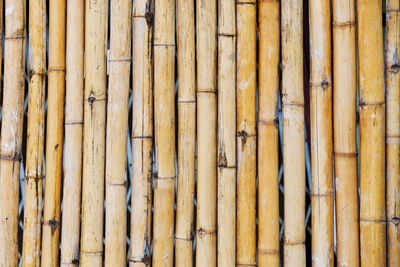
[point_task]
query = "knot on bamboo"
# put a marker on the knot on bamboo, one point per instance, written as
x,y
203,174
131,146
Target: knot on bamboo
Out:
x,y
395,68
395,220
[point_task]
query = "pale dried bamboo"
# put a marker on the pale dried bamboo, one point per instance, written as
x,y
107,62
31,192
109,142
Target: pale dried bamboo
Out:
x,y
293,133
321,133
1,40
206,227
268,157
345,132
11,129
35,136
164,116
95,97
226,250
73,126
246,132
117,124
393,131
142,134
186,133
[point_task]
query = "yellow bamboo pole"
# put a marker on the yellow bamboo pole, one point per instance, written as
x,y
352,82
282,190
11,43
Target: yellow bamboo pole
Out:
x,y
345,146
321,133
372,134
186,133
293,133
95,97
142,134
226,250
206,232
117,124
11,129
268,157
35,143
246,132
164,116
73,124
393,131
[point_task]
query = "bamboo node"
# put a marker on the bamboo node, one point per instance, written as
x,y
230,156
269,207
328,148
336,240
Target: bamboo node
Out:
x,y
184,239
14,157
245,3
268,122
227,35
145,259
321,195
294,243
344,24
246,264
244,135
120,60
53,224
203,232
373,220
142,137
395,68
261,251
14,37
346,154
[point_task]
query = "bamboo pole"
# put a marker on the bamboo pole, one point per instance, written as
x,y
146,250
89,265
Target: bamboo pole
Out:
x,y
117,124
164,116
73,126
206,227
268,157
142,134
186,133
293,133
1,41
392,131
95,97
226,249
246,132
11,129
35,137
321,133
345,132
372,134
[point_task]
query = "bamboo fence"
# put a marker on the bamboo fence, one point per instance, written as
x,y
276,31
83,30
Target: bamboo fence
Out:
x,y
199,133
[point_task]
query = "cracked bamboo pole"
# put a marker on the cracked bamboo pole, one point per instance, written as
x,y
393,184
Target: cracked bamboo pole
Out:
x,y
226,250
186,133
345,132
392,131
73,126
117,124
142,133
35,134
206,235
11,129
95,97
268,136
246,22
372,134
321,133
293,133
164,116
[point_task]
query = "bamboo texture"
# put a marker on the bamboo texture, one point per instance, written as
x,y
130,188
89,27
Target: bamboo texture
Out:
x,y
11,129
1,39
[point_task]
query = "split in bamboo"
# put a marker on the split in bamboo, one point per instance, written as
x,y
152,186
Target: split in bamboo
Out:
x,y
142,134
11,129
393,131
268,135
321,133
164,116
186,133
96,12
73,125
35,136
345,132
246,132
293,133
226,250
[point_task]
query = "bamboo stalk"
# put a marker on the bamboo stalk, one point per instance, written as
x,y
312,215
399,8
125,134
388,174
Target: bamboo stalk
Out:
x,y
372,134
345,134
117,124
246,132
1,41
73,125
268,157
226,250
164,116
293,133
35,137
206,227
321,134
186,133
392,131
11,129
142,133
95,97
